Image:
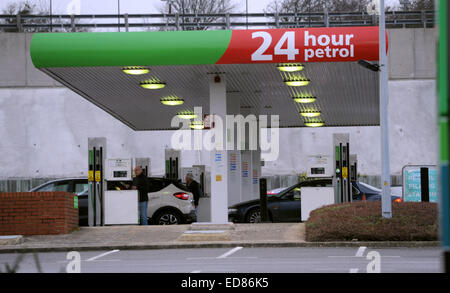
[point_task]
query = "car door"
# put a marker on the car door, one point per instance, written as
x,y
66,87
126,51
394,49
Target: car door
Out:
x,y
156,194
81,189
288,207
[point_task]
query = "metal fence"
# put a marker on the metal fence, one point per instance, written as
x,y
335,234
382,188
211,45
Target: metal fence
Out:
x,y
127,22
21,184
274,181
280,181
374,180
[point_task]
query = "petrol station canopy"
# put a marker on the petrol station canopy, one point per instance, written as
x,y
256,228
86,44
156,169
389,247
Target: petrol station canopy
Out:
x,y
94,66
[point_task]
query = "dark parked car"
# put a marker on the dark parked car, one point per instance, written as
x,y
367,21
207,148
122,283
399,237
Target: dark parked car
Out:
x,y
286,205
79,186
371,193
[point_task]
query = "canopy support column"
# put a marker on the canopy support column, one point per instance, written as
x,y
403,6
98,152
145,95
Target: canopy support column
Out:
x,y
384,122
219,154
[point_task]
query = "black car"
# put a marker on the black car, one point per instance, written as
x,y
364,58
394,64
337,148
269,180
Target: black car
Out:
x,y
78,186
286,205
371,193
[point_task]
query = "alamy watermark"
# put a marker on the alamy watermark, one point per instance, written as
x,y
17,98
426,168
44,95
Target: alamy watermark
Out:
x,y
74,264
235,133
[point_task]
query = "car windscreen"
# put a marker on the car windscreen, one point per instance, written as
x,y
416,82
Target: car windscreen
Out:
x,y
306,183
157,184
287,191
54,186
275,192
81,187
180,186
366,188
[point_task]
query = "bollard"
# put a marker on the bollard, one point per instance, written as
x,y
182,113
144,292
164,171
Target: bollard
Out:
x,y
263,200
424,185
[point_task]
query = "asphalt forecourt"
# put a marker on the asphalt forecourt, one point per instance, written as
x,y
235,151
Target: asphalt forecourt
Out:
x,y
232,260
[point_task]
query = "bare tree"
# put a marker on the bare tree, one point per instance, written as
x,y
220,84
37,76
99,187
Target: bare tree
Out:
x,y
314,6
36,8
318,6
304,6
419,6
197,7
415,5
21,8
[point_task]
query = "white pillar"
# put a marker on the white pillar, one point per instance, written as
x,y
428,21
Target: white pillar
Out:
x,y
250,159
256,173
384,120
246,161
246,184
234,155
256,164
219,155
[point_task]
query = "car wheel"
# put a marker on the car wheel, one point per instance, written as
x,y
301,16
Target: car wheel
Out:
x,y
254,216
168,218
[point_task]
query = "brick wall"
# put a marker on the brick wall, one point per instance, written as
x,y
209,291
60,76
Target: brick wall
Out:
x,y
37,213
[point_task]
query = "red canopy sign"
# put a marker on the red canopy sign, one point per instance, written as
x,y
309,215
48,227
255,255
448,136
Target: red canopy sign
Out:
x,y
302,45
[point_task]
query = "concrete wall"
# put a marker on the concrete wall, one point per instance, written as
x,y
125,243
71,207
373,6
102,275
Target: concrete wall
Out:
x,y
44,127
412,53
413,134
44,133
16,68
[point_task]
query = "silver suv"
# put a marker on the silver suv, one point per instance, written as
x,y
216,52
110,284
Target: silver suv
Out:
x,y
169,202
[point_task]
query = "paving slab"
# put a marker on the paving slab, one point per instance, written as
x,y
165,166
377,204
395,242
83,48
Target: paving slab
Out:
x,y
11,239
184,236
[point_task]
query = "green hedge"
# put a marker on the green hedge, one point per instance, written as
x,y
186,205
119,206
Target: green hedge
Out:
x,y
362,221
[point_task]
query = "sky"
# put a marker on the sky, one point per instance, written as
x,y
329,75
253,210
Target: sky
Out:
x,y
137,6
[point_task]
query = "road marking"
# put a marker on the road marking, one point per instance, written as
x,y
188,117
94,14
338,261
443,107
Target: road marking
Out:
x,y
328,269
208,257
230,252
205,232
195,272
345,256
67,261
360,252
102,255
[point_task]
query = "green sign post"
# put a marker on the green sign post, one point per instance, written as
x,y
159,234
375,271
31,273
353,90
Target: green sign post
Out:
x,y
443,81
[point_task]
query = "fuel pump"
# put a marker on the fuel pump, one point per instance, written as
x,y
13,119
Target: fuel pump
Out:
x,y
319,166
341,180
353,167
96,154
120,202
144,163
199,174
173,163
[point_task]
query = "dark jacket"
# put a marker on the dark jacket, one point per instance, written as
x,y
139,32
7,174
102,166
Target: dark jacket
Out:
x,y
194,187
142,186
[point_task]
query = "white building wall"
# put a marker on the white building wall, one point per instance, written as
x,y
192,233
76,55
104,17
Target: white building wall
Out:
x,y
44,133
